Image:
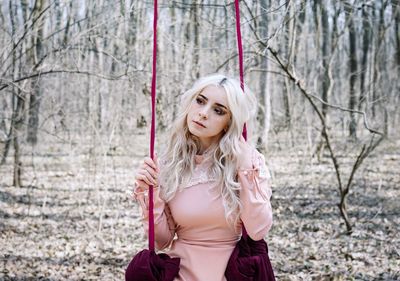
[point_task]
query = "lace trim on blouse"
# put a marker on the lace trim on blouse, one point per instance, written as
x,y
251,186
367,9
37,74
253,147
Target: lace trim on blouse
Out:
x,y
200,175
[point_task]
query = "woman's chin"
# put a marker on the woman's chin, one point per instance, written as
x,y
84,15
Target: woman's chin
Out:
x,y
193,131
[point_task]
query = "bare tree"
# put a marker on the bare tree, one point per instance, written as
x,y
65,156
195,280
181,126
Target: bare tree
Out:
x,y
18,104
352,66
264,110
80,68
36,55
366,42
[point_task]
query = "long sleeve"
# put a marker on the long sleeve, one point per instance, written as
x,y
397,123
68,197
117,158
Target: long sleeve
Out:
x,y
255,194
164,225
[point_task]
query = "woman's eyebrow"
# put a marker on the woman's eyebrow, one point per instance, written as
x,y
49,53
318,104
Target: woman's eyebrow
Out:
x,y
221,105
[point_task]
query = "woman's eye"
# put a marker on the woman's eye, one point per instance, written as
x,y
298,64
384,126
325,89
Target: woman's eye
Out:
x,y
199,101
219,111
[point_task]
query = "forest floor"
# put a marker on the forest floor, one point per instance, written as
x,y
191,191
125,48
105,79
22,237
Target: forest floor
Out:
x,y
74,218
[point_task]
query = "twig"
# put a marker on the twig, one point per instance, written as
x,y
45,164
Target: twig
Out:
x,y
116,77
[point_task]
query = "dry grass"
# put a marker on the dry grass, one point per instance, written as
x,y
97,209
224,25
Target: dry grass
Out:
x,y
74,219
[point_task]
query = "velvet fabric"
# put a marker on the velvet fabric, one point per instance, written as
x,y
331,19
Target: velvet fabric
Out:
x,y
149,266
249,262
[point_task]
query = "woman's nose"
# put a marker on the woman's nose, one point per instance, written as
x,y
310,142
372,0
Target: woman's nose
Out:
x,y
203,114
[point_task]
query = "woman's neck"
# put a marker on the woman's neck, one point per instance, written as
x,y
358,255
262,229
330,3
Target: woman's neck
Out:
x,y
205,149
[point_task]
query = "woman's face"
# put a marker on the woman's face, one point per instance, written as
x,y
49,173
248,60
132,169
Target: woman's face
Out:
x,y
209,115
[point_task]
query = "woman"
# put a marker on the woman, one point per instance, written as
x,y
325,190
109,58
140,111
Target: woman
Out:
x,y
208,182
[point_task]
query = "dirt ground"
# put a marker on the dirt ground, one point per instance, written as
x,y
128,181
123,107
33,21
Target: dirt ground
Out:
x,y
74,219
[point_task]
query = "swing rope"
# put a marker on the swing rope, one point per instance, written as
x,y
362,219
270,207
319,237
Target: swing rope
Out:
x,y
153,125
240,53
153,104
239,43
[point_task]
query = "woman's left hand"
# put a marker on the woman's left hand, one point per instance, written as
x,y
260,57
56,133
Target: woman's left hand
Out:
x,y
245,154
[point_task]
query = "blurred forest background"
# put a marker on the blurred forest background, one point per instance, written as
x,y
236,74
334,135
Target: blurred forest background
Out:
x,y
74,120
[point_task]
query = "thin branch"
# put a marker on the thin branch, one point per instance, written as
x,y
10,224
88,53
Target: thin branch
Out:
x,y
12,83
231,58
309,96
321,117
349,110
116,77
365,151
26,32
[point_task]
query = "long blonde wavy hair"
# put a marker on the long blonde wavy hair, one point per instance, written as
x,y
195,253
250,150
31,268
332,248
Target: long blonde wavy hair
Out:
x,y
178,158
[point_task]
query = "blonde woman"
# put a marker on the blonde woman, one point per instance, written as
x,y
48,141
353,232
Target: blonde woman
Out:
x,y
208,181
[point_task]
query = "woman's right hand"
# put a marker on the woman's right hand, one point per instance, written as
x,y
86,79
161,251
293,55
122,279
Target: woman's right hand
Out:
x,y
147,174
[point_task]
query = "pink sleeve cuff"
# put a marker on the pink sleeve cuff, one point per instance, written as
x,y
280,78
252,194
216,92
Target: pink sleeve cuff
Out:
x,y
256,175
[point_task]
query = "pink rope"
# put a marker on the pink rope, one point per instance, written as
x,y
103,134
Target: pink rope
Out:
x,y
153,103
153,125
240,51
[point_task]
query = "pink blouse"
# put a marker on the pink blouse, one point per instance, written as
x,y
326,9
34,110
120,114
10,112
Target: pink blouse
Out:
x,y
192,225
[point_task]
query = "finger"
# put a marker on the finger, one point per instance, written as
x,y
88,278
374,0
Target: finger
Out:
x,y
153,173
142,185
150,163
149,174
144,178
150,177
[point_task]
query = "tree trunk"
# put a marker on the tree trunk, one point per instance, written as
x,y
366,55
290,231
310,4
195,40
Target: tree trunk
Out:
x,y
226,34
36,94
196,41
173,32
287,85
3,127
352,66
18,102
18,119
364,60
325,59
377,57
326,54
396,11
299,29
322,38
264,110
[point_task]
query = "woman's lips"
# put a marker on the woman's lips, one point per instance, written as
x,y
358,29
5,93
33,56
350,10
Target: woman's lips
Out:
x,y
199,124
